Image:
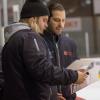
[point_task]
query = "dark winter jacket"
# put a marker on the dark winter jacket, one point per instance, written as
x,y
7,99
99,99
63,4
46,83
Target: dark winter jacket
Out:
x,y
66,48
27,70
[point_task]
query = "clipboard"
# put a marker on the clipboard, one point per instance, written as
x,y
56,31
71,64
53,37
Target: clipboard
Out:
x,y
81,64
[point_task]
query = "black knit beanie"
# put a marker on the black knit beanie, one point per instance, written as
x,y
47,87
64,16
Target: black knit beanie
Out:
x,y
33,8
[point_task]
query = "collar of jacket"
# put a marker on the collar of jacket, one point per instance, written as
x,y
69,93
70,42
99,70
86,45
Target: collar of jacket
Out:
x,y
51,35
13,28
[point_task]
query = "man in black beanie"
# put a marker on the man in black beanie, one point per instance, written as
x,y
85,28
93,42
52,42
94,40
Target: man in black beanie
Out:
x,y
34,8
26,65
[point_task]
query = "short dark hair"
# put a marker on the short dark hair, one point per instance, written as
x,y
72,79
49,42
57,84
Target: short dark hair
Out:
x,y
55,6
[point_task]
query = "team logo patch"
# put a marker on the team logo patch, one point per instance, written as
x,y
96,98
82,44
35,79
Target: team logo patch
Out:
x,y
67,53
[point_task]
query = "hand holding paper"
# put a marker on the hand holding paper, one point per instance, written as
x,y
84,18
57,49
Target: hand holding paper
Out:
x,y
82,66
81,77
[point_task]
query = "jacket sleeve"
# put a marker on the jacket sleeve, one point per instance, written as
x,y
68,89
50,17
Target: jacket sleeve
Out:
x,y
40,69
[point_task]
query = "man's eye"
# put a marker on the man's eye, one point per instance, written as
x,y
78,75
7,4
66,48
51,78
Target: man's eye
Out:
x,y
57,20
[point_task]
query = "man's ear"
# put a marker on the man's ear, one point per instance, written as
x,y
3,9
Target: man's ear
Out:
x,y
32,19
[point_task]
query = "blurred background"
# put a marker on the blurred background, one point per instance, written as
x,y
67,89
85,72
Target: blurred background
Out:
x,y
82,22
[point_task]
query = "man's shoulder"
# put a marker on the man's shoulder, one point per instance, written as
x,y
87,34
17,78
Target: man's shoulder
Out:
x,y
67,41
66,38
25,33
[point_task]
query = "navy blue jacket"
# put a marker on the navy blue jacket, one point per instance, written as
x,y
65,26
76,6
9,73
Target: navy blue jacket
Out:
x,y
27,69
67,54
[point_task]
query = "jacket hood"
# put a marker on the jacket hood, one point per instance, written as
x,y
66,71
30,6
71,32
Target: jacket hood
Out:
x,y
13,28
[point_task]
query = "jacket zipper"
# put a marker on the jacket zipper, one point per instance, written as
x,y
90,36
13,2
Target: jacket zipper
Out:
x,y
58,56
59,64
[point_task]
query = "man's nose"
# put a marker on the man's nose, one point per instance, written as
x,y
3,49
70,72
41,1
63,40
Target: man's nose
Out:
x,y
61,24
